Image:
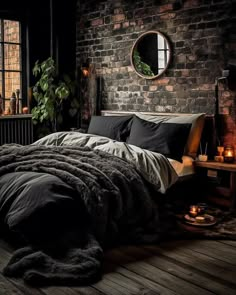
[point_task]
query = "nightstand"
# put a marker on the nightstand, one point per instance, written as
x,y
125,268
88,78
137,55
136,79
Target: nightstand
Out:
x,y
218,181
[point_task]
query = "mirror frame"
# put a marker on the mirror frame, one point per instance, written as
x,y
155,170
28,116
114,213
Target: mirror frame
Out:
x,y
134,46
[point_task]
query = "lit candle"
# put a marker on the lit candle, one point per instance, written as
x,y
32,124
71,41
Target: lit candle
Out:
x,y
193,210
229,154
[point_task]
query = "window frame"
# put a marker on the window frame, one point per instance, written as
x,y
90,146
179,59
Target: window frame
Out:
x,y
23,30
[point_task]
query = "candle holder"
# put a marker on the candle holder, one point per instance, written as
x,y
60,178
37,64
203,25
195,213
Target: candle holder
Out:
x,y
228,154
220,150
202,158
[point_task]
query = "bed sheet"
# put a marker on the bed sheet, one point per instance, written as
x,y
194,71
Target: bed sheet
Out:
x,y
154,167
184,168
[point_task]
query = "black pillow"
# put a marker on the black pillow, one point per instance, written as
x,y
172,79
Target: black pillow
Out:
x,y
114,127
166,138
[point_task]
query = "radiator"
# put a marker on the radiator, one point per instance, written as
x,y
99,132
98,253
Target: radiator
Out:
x,y
16,129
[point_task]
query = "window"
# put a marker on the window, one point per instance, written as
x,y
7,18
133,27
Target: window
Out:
x,y
10,61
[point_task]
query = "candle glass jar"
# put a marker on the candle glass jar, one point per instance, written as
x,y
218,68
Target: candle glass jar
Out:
x,y
228,154
193,210
202,208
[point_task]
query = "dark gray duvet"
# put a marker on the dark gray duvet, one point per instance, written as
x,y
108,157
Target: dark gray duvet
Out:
x,y
68,203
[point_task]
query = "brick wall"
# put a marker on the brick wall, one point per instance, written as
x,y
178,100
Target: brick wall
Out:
x,y
202,38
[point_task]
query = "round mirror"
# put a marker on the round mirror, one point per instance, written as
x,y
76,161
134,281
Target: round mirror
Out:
x,y
150,55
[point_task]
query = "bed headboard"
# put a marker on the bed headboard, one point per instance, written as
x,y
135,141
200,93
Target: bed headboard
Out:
x,y
125,113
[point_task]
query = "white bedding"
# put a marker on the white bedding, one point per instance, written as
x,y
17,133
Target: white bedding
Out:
x,y
153,166
185,168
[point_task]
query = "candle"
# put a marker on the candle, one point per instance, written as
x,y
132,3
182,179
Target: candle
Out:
x,y
200,219
228,154
193,210
203,158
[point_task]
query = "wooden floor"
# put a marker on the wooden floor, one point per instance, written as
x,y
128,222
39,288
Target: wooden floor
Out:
x,y
181,267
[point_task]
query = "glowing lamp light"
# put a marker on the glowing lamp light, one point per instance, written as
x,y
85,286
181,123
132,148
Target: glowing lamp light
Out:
x,y
85,69
85,72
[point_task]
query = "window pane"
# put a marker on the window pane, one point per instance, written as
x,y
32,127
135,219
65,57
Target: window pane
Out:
x,y
161,60
12,57
161,41
11,31
12,82
168,54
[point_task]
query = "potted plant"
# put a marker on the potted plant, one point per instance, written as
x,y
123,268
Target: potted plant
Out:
x,y
50,93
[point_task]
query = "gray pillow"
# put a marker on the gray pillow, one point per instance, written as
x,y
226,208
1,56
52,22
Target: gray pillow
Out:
x,y
197,123
166,138
114,127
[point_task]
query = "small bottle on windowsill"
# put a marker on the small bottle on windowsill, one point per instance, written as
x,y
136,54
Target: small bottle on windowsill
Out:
x,y
25,110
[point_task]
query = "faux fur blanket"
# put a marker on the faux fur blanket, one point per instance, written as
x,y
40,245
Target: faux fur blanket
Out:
x,y
110,202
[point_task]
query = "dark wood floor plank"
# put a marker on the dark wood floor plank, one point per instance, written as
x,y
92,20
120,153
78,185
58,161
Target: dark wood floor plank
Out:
x,y
119,286
86,291
60,291
141,281
227,242
70,291
7,288
4,257
213,249
109,287
16,287
157,275
170,268
188,272
127,285
198,261
26,289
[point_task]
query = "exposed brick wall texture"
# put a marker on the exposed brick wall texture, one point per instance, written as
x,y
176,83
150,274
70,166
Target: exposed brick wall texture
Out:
x,y
203,41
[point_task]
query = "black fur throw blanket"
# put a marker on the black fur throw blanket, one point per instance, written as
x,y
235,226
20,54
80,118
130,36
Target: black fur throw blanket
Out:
x,y
67,204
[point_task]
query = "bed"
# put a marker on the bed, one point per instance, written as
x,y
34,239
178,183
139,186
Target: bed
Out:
x,y
70,195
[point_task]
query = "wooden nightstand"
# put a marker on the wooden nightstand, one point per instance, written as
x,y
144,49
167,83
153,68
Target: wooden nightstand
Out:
x,y
219,182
